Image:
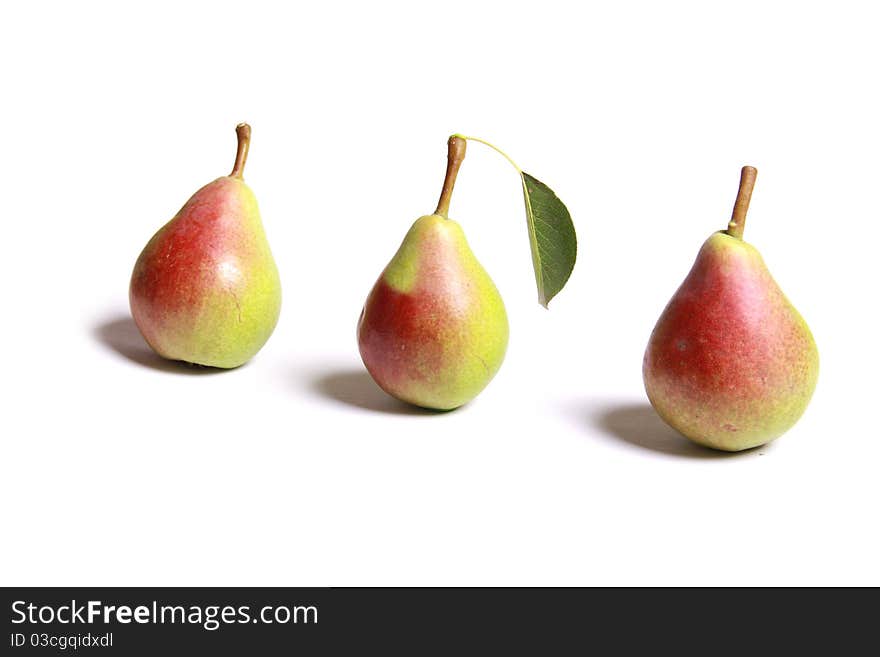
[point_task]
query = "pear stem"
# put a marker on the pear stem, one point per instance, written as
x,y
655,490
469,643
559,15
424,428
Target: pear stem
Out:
x,y
454,158
741,207
243,132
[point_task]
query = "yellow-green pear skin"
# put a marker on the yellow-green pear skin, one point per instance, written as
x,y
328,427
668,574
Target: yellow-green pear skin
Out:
x,y
731,364
433,331
206,289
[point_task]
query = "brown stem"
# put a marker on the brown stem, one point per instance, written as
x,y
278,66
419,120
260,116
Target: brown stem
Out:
x,y
741,207
457,147
243,132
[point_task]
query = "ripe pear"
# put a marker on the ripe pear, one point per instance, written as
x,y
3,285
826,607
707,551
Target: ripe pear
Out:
x,y
433,331
205,289
731,364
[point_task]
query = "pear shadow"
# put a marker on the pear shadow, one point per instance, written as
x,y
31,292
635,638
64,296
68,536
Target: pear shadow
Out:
x,y
640,426
121,335
355,387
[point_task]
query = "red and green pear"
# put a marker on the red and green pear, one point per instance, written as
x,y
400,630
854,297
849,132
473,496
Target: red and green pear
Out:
x,y
433,331
205,289
731,364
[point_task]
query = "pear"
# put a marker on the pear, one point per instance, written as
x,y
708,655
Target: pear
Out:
x,y
433,331
205,289
731,364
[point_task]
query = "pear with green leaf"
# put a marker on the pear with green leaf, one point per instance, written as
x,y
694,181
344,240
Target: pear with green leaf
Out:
x,y
433,331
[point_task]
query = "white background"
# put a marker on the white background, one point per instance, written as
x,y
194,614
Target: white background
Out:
x,y
119,468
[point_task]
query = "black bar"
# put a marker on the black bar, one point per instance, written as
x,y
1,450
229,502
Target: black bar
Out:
x,y
416,621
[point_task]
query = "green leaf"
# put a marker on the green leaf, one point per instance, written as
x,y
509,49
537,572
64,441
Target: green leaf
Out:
x,y
552,237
